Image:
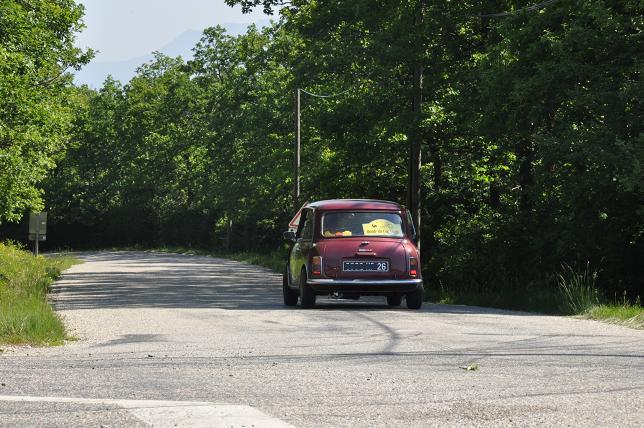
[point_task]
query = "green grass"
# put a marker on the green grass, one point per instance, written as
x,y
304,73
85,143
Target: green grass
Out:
x,y
548,302
25,315
578,289
576,294
625,314
580,296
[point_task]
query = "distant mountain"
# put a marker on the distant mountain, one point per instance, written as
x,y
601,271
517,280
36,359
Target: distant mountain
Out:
x,y
95,73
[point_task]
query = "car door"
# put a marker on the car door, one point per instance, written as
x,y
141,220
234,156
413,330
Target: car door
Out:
x,y
302,247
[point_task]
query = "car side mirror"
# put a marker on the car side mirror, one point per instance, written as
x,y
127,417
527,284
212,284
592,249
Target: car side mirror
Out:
x,y
289,235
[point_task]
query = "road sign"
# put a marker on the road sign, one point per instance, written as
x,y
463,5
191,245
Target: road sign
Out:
x,y
38,223
37,228
295,222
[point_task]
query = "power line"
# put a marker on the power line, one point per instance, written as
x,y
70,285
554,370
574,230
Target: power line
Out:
x,y
298,143
523,9
325,96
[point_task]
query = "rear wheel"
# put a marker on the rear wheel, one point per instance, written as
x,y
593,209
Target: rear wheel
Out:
x,y
394,300
307,295
290,296
415,299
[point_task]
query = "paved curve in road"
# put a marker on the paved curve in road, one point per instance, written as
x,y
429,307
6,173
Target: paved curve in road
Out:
x,y
168,339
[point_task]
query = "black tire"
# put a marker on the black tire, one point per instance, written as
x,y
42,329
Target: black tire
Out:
x,y
415,299
307,295
394,300
290,296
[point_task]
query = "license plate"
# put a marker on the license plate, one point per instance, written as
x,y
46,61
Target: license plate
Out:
x,y
366,266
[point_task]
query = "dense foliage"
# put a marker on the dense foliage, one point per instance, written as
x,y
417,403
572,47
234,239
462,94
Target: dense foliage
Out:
x,y
36,50
529,124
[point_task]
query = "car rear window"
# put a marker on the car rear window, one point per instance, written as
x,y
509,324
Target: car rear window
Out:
x,y
361,223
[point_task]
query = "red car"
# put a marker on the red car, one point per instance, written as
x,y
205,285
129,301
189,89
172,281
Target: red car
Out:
x,y
351,248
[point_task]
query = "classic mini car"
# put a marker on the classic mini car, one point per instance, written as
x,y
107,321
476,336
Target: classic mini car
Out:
x,y
351,248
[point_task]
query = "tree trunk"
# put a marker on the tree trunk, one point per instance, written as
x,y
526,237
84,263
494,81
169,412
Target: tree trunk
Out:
x,y
229,234
437,161
415,161
494,195
416,135
525,152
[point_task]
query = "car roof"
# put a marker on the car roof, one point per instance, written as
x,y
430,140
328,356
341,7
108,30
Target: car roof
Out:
x,y
354,204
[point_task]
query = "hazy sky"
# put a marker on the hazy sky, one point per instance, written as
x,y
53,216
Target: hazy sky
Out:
x,y
123,29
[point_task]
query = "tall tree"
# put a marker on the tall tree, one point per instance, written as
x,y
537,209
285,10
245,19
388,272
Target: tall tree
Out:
x,y
36,51
343,42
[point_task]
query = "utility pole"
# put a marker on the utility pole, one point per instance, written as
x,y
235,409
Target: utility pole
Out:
x,y
297,162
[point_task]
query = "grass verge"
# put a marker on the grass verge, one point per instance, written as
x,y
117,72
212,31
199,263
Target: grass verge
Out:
x,y
580,296
626,315
576,294
25,315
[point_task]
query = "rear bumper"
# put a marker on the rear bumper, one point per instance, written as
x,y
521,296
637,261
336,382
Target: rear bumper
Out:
x,y
365,286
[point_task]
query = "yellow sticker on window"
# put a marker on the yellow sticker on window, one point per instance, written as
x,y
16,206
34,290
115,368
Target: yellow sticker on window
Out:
x,y
382,227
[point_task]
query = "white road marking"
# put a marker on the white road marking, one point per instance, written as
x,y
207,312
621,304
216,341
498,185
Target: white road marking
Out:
x,y
176,413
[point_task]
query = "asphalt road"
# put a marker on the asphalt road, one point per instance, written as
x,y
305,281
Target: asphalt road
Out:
x,y
169,340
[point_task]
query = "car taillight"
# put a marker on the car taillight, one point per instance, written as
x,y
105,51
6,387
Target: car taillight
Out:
x,y
316,265
413,266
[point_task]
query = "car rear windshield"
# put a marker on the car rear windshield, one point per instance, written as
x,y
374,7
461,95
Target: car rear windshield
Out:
x,y
361,223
